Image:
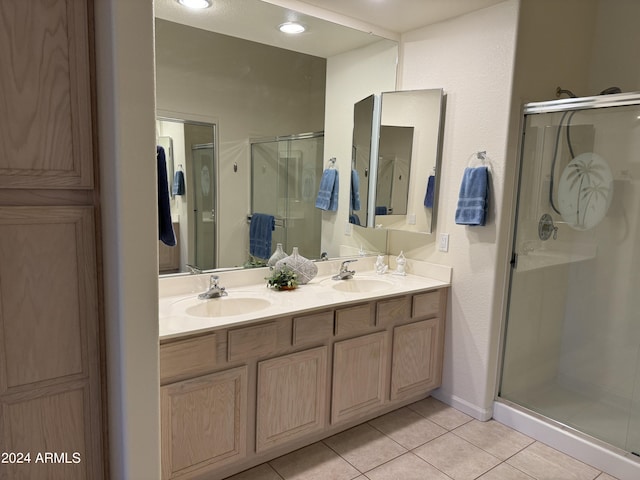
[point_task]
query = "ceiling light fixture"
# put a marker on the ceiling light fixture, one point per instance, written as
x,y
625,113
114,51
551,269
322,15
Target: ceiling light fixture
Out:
x,y
195,4
292,28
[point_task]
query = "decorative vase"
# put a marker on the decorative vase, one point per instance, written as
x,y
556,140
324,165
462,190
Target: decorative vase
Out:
x,y
304,268
279,254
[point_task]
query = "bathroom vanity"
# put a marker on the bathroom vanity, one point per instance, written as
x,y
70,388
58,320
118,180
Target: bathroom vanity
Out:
x,y
240,388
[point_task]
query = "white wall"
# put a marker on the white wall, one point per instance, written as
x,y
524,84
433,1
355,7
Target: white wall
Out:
x,y
471,57
126,133
351,77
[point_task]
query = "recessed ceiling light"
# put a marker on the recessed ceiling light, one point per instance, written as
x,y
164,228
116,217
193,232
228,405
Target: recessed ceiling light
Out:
x,y
195,4
292,28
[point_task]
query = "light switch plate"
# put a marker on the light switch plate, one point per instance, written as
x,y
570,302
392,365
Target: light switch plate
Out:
x,y
443,244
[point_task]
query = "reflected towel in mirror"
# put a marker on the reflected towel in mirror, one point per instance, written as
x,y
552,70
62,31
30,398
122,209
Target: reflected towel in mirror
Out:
x,y
431,186
473,199
178,183
165,226
260,230
328,192
355,190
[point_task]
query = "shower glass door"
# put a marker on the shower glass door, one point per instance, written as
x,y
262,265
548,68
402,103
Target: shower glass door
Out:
x,y
285,175
572,342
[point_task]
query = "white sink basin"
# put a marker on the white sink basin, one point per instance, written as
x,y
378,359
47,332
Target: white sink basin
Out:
x,y
362,285
226,306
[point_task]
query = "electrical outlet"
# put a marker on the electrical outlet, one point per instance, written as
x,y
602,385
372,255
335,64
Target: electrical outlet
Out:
x,y
411,219
443,246
347,228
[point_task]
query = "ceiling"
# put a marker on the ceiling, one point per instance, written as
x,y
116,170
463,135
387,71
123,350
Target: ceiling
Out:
x,y
367,20
400,16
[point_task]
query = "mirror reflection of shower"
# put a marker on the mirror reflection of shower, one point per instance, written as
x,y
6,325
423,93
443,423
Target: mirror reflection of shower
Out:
x,y
285,174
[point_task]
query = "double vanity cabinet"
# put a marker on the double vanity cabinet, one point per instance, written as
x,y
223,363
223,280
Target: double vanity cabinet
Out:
x,y
242,394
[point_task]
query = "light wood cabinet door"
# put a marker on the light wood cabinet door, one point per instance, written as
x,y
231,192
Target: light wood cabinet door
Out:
x,y
291,397
359,376
50,398
417,358
203,422
46,135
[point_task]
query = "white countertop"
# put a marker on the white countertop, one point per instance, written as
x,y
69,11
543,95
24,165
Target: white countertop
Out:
x,y
321,292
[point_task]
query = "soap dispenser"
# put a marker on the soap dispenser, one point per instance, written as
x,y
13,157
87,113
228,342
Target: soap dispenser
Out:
x,y
400,264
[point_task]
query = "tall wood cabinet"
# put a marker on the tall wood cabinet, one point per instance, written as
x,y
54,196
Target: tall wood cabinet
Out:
x,y
50,373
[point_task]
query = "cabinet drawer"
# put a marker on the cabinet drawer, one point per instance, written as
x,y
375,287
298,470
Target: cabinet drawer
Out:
x,y
252,341
187,357
392,311
426,304
312,328
354,319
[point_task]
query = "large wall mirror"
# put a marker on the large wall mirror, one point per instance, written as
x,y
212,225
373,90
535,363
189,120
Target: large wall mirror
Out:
x,y
229,67
397,149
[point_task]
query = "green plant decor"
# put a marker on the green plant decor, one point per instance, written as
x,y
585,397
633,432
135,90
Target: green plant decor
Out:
x,y
284,279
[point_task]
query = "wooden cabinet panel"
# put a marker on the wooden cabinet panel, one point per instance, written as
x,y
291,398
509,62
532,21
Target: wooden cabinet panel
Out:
x,y
359,376
354,320
50,423
169,257
316,327
426,304
291,397
417,358
203,422
188,357
391,311
48,294
253,341
46,135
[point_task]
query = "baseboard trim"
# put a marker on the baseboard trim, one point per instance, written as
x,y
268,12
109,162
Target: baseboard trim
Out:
x,y
482,414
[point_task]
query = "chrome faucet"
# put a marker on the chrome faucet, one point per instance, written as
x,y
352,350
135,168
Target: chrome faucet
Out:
x,y
215,290
345,273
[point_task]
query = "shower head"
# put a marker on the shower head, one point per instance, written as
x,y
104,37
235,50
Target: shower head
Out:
x,y
610,90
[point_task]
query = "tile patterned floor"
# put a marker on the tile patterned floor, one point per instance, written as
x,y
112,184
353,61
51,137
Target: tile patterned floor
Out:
x,y
426,440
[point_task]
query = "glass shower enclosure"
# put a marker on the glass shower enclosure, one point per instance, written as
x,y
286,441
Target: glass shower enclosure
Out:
x,y
572,339
285,175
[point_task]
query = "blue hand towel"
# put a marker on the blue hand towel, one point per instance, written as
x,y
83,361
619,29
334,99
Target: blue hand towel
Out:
x,y
355,190
328,192
472,202
431,186
178,183
260,235
354,219
165,226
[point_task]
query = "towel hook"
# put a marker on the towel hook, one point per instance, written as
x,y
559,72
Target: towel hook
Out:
x,y
332,162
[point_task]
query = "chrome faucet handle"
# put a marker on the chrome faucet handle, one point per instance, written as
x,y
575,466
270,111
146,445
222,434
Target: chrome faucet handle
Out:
x,y
343,266
213,280
344,272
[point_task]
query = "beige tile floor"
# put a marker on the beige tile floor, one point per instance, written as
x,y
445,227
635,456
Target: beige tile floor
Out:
x,y
426,440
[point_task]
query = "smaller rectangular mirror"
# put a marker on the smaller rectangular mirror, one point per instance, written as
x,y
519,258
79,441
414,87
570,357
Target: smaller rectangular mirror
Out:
x,y
398,181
